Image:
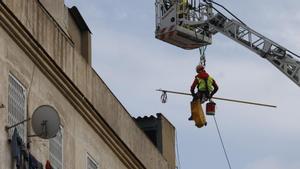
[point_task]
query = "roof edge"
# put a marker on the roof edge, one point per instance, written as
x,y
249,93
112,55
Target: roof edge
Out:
x,y
79,19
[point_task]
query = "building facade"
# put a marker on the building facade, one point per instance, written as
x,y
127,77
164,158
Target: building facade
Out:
x,y
45,59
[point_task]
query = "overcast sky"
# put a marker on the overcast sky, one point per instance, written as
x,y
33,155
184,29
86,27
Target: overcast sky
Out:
x,y
133,64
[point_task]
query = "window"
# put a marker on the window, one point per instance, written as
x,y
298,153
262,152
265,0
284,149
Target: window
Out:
x,y
16,106
56,150
91,163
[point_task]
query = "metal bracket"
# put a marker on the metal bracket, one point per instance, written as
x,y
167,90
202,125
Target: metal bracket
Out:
x,y
15,125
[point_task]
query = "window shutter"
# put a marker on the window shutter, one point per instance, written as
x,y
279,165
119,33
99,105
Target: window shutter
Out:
x,y
91,164
16,107
56,150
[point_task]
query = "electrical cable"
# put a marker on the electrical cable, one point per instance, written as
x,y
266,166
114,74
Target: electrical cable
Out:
x,y
177,151
28,100
210,1
223,146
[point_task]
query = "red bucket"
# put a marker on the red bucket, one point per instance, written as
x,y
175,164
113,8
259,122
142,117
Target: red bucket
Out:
x,y
210,108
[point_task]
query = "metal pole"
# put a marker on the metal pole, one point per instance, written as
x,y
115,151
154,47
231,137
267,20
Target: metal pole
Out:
x,y
219,98
21,122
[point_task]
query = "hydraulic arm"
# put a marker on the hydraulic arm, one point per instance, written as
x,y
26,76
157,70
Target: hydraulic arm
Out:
x,y
285,60
191,24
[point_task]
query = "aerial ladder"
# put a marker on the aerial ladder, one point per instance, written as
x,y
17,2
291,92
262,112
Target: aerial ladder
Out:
x,y
191,24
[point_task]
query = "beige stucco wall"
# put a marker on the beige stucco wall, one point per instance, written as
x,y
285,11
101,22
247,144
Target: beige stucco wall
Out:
x,y
79,137
59,46
168,141
58,11
74,33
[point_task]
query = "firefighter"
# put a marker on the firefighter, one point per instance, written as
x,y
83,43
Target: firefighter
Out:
x,y
182,9
206,85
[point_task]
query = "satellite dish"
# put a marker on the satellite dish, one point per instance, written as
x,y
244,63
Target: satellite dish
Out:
x,y
45,122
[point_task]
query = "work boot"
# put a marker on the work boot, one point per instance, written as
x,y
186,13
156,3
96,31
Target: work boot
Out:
x,y
190,118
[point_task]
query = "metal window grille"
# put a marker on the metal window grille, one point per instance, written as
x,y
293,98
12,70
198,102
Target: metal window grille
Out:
x,y
16,106
91,164
56,150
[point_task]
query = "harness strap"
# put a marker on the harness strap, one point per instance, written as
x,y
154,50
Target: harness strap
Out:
x,y
206,86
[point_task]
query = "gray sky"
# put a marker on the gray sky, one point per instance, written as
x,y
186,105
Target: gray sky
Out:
x,y
133,64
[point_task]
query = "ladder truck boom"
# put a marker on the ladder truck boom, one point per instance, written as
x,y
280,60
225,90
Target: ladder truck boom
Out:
x,y
191,24
285,60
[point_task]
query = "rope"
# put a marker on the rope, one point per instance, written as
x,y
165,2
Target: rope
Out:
x,y
177,151
223,146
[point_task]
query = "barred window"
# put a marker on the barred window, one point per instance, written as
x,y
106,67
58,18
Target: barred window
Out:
x,y
16,106
56,150
91,163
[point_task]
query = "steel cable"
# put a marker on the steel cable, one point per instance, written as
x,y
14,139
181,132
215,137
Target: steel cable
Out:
x,y
211,1
223,146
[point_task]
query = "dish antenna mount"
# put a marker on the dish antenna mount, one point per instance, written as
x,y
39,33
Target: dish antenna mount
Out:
x,y
45,122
